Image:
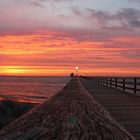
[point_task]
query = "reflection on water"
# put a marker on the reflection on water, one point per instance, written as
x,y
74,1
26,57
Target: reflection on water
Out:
x,y
31,89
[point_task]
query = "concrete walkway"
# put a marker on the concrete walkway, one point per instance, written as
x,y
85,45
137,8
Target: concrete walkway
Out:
x,y
72,114
124,107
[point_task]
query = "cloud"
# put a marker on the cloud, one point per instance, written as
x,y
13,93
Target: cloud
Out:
x,y
76,11
136,23
37,4
40,3
82,24
136,1
125,19
88,38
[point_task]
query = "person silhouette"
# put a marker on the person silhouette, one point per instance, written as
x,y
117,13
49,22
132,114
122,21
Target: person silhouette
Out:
x,y
72,75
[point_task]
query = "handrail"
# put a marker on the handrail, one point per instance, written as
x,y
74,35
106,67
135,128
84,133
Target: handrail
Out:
x,y
125,83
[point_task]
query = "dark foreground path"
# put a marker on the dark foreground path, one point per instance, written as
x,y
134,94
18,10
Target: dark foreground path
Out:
x,y
72,114
124,107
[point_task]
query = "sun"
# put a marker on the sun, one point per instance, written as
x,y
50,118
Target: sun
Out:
x,y
12,70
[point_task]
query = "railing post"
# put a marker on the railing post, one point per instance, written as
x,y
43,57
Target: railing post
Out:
x,y
116,85
123,84
111,81
135,85
103,80
107,81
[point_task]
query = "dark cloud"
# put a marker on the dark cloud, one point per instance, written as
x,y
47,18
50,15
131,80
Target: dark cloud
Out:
x,y
99,25
127,14
76,11
136,1
136,23
125,19
37,4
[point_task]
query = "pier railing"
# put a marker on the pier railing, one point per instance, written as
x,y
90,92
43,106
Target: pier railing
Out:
x,y
127,84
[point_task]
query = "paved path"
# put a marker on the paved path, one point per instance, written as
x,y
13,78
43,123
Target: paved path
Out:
x,y
124,107
72,114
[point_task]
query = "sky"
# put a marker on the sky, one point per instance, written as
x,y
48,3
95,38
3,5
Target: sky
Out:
x,y
52,37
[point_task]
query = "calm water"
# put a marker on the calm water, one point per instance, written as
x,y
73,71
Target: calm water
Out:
x,y
31,89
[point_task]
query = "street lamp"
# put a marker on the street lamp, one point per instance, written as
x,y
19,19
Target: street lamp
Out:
x,y
77,70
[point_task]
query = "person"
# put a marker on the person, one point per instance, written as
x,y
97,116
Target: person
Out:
x,y
72,75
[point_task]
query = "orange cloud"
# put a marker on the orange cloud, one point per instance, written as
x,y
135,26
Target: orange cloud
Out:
x,y
51,54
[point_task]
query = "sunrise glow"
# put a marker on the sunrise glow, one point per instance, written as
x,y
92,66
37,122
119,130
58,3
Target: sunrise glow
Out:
x,y
44,40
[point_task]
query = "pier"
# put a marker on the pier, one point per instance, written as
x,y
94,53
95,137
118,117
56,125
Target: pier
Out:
x,y
122,105
83,110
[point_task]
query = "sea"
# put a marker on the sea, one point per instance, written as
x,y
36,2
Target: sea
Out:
x,y
30,89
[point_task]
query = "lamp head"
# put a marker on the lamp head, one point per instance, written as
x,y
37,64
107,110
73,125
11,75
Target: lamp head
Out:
x,y
76,68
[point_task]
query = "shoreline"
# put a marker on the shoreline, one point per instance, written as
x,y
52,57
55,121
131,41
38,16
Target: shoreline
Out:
x,y
19,100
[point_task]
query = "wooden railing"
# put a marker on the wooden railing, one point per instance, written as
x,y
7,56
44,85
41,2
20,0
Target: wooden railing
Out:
x,y
127,84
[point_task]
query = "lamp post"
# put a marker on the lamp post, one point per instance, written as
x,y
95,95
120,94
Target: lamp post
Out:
x,y
77,70
85,72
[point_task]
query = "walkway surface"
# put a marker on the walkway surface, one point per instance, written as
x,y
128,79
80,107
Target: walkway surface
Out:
x,y
124,107
72,114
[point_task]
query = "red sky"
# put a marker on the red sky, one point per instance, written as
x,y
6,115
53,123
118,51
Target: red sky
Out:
x,y
39,40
